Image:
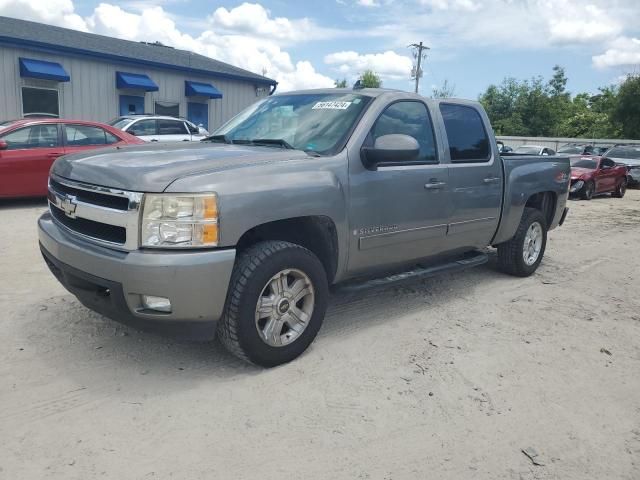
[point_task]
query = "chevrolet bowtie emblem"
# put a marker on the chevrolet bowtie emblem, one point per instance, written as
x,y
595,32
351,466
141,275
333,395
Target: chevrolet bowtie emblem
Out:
x,y
68,205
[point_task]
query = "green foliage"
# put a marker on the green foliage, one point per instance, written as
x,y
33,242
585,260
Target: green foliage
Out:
x,y
538,108
447,90
627,108
370,79
341,83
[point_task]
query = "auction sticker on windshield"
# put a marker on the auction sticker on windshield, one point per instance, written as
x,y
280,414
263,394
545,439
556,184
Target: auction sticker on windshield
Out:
x,y
331,106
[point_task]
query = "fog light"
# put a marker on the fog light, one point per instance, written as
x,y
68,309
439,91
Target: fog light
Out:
x,y
160,304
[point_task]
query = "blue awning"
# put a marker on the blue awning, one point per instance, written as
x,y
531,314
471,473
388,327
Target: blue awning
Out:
x,y
135,81
41,69
197,89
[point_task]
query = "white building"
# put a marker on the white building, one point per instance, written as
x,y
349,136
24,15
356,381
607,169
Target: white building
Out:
x,y
46,70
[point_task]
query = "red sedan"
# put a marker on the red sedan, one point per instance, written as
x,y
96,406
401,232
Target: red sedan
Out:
x,y
28,148
595,175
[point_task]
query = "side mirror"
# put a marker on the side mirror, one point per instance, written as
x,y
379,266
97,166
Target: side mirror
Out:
x,y
393,148
3,145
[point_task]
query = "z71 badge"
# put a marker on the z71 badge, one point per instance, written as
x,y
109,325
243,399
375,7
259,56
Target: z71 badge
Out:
x,y
376,229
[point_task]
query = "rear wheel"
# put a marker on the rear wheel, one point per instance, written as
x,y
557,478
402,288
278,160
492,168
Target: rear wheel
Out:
x,y
522,255
276,303
621,189
588,190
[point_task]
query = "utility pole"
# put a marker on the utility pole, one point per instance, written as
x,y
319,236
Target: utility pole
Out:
x,y
419,47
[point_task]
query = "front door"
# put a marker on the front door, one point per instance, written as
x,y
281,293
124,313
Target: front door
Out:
x,y
475,177
131,105
25,164
605,176
398,213
198,113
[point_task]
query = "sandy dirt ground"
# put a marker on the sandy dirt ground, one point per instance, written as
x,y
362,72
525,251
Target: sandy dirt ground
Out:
x,y
444,378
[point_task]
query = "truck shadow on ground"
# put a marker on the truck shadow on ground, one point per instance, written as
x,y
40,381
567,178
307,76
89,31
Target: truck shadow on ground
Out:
x,y
73,341
22,203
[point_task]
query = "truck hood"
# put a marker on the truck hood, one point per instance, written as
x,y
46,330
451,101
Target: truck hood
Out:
x,y
152,168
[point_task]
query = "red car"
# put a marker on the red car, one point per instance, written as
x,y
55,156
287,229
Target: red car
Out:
x,y
28,148
595,175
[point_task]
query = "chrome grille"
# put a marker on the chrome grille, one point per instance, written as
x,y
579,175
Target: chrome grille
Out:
x,y
105,216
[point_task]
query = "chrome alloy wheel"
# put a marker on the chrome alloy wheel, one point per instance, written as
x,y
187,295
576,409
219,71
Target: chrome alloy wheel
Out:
x,y
284,307
532,244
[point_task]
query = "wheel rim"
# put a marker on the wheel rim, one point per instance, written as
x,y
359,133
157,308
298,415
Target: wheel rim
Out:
x,y
532,244
285,307
589,192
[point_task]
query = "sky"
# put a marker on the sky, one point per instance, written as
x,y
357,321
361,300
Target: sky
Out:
x,y
310,43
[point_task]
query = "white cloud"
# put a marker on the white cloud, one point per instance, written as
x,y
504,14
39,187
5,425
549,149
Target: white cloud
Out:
x,y
245,36
253,19
387,64
622,52
467,5
569,22
53,12
368,3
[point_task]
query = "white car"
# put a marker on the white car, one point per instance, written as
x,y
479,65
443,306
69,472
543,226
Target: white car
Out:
x,y
158,128
533,150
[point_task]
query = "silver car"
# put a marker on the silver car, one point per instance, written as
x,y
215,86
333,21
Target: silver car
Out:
x,y
158,128
628,155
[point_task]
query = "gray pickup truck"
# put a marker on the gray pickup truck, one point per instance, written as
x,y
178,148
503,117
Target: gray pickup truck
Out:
x,y
244,234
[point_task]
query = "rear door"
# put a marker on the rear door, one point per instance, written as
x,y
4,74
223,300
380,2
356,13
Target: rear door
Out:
x,y
25,164
78,137
475,177
398,212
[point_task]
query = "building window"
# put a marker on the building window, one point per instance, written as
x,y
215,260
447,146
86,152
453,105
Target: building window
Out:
x,y
40,102
168,109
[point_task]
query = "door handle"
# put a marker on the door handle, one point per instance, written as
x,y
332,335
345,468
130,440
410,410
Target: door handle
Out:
x,y
54,154
186,140
434,184
154,140
491,179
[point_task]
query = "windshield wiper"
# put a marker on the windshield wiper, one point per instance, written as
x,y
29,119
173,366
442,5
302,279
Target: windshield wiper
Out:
x,y
273,141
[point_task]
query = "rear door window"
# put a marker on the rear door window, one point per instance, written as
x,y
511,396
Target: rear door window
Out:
x,y
172,127
83,135
468,139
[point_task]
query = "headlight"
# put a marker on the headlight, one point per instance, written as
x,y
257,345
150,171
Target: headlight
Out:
x,y
577,185
179,221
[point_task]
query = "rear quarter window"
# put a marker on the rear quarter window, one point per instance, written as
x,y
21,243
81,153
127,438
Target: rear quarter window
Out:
x,y
467,137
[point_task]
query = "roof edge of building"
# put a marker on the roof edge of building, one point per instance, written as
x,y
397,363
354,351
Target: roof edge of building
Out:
x,y
53,48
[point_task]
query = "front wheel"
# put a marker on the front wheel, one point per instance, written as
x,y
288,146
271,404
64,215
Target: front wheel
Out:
x,y
522,255
588,190
276,303
621,189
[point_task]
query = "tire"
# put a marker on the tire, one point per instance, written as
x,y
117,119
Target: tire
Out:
x,y
621,189
511,254
259,271
588,190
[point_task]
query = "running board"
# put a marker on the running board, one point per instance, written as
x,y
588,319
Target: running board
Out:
x,y
472,259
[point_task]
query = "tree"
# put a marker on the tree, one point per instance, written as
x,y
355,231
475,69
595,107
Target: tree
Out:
x,y
341,83
447,90
370,79
627,109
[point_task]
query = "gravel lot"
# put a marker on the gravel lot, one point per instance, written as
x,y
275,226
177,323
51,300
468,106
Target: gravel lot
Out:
x,y
445,378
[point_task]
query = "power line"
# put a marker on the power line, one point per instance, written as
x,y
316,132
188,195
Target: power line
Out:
x,y
419,55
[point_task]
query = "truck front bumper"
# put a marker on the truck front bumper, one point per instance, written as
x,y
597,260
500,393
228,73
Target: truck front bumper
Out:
x,y
112,282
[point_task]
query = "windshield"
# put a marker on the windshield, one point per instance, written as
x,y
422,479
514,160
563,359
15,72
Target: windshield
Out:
x,y
119,122
584,163
526,150
314,122
624,152
6,124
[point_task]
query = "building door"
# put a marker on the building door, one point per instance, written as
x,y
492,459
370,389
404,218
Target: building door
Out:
x,y
198,113
130,104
